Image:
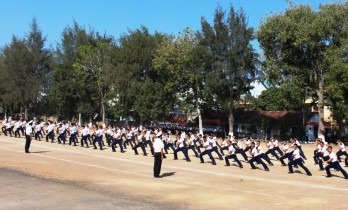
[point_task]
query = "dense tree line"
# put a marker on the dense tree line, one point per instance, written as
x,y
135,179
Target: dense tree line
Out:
x,y
142,76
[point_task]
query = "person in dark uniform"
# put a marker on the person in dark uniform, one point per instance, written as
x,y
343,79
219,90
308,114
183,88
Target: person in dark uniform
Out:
x,y
28,136
158,155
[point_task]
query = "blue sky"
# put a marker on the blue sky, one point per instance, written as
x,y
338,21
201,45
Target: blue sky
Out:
x,y
115,17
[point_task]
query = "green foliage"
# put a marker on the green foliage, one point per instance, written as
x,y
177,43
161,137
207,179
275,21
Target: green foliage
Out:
x,y
296,44
26,67
230,58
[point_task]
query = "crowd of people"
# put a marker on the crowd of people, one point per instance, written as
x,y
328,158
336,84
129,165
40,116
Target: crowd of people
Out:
x,y
134,138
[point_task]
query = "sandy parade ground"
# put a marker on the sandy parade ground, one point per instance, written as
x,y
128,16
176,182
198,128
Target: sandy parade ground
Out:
x,y
55,176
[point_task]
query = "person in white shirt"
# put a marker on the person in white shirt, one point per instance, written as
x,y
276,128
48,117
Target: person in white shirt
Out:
x,y
276,146
239,149
295,141
208,145
287,153
232,154
324,156
98,137
181,147
297,160
28,136
129,139
158,155
140,142
50,131
17,126
168,143
213,139
256,157
38,129
319,152
85,133
341,151
333,163
191,144
61,134
261,154
224,145
271,150
117,139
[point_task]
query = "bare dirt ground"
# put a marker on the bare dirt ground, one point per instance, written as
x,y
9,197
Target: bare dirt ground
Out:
x,y
57,176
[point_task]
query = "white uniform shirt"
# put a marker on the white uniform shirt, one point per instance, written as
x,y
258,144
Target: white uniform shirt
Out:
x,y
61,130
181,142
140,138
333,157
28,130
275,143
296,154
207,145
270,145
232,150
342,147
147,135
259,149
85,131
254,152
158,145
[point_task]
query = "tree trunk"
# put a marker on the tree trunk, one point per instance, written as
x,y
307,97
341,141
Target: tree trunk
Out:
x,y
200,122
103,111
26,110
230,122
320,93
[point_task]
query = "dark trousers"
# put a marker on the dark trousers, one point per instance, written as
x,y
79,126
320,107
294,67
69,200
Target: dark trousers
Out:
x,y
234,157
9,130
301,152
207,152
336,165
215,149
108,139
183,150
321,162
246,149
72,139
258,160
266,158
50,135
241,151
192,147
99,140
61,138
340,153
22,130
272,152
27,143
113,145
316,157
157,164
142,146
168,145
279,151
38,135
299,162
84,140
17,133
222,149
149,142
286,156
128,141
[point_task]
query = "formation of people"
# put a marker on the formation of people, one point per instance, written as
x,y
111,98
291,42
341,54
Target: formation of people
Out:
x,y
180,143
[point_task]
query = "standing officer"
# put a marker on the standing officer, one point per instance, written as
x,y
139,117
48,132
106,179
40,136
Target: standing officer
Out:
x,y
158,155
28,136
